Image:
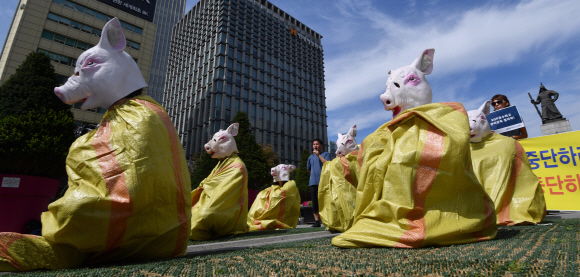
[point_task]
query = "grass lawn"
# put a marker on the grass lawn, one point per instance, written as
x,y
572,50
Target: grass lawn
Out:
x,y
550,250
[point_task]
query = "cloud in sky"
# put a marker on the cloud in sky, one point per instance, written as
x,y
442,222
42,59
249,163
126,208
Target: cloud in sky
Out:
x,y
482,37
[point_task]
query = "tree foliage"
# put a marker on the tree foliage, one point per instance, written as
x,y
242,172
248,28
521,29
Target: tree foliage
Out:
x,y
271,155
303,177
203,164
252,154
31,88
36,128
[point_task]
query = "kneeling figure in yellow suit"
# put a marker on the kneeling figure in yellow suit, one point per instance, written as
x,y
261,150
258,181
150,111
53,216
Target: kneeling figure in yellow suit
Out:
x,y
277,207
416,187
502,166
129,186
338,182
220,203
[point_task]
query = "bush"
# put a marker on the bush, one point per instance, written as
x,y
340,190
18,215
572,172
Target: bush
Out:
x,y
36,143
36,128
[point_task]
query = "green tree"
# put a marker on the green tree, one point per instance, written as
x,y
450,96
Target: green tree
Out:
x,y
271,155
31,88
203,164
251,153
36,128
303,177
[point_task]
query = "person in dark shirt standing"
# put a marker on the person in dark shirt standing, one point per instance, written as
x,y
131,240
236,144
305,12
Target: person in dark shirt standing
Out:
x,y
500,101
314,166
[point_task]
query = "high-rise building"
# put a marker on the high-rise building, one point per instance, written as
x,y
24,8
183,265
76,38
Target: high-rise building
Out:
x,y
244,55
167,14
332,149
64,29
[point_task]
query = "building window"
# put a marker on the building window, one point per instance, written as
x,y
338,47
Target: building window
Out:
x,y
98,15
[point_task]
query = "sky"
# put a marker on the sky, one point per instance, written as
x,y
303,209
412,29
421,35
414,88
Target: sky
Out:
x,y
482,48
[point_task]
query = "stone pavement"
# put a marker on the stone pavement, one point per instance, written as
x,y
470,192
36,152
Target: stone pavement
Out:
x,y
202,249
563,214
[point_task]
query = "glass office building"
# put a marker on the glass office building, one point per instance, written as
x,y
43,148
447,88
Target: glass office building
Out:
x,y
239,55
167,14
63,29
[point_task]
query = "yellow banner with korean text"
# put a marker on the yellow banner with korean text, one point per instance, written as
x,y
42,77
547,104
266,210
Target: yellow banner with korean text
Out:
x,y
555,159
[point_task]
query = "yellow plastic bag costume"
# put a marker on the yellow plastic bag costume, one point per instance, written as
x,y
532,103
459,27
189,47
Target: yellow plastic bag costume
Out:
x,y
275,208
220,203
502,166
128,196
337,192
416,187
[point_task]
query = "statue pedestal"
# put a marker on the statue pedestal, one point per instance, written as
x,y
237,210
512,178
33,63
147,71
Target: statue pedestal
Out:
x,y
555,127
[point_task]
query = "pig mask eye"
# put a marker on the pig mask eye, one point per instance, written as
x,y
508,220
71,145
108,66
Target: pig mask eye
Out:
x,y
223,138
412,79
90,62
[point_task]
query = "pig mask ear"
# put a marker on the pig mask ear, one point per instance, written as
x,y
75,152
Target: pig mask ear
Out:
x,y
339,136
233,129
291,168
352,131
425,61
112,36
485,107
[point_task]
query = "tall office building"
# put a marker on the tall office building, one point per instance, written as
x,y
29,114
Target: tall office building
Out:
x,y
332,147
64,29
239,55
167,14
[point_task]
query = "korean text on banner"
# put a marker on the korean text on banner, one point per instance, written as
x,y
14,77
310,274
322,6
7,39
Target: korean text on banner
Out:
x,y
504,120
555,159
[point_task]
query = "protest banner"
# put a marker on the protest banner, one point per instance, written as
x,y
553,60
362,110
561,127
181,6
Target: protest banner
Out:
x,y
504,120
555,160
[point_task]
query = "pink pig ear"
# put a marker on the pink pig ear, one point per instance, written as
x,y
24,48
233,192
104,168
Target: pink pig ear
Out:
x,y
291,168
485,107
425,61
112,36
233,129
352,131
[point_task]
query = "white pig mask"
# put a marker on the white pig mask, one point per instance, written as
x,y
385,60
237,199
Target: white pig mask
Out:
x,y
407,87
478,122
104,73
281,172
223,144
346,143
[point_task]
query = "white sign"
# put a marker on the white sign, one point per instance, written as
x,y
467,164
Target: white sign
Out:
x,y
10,182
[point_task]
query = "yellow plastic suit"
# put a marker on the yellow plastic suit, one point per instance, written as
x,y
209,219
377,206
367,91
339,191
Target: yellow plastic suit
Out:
x,y
220,203
416,187
128,196
337,192
502,166
275,208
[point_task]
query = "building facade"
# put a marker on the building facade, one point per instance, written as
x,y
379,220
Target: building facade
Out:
x,y
243,55
167,14
332,149
64,29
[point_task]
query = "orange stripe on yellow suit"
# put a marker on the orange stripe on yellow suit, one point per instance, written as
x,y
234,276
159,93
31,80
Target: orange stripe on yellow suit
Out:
x,y
337,192
275,208
128,196
416,187
220,203
502,166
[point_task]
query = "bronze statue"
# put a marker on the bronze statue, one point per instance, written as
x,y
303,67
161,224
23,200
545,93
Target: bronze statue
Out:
x,y
549,111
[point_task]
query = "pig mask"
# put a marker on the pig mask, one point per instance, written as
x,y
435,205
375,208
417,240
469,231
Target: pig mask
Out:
x,y
346,143
282,172
223,144
478,122
407,87
104,73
